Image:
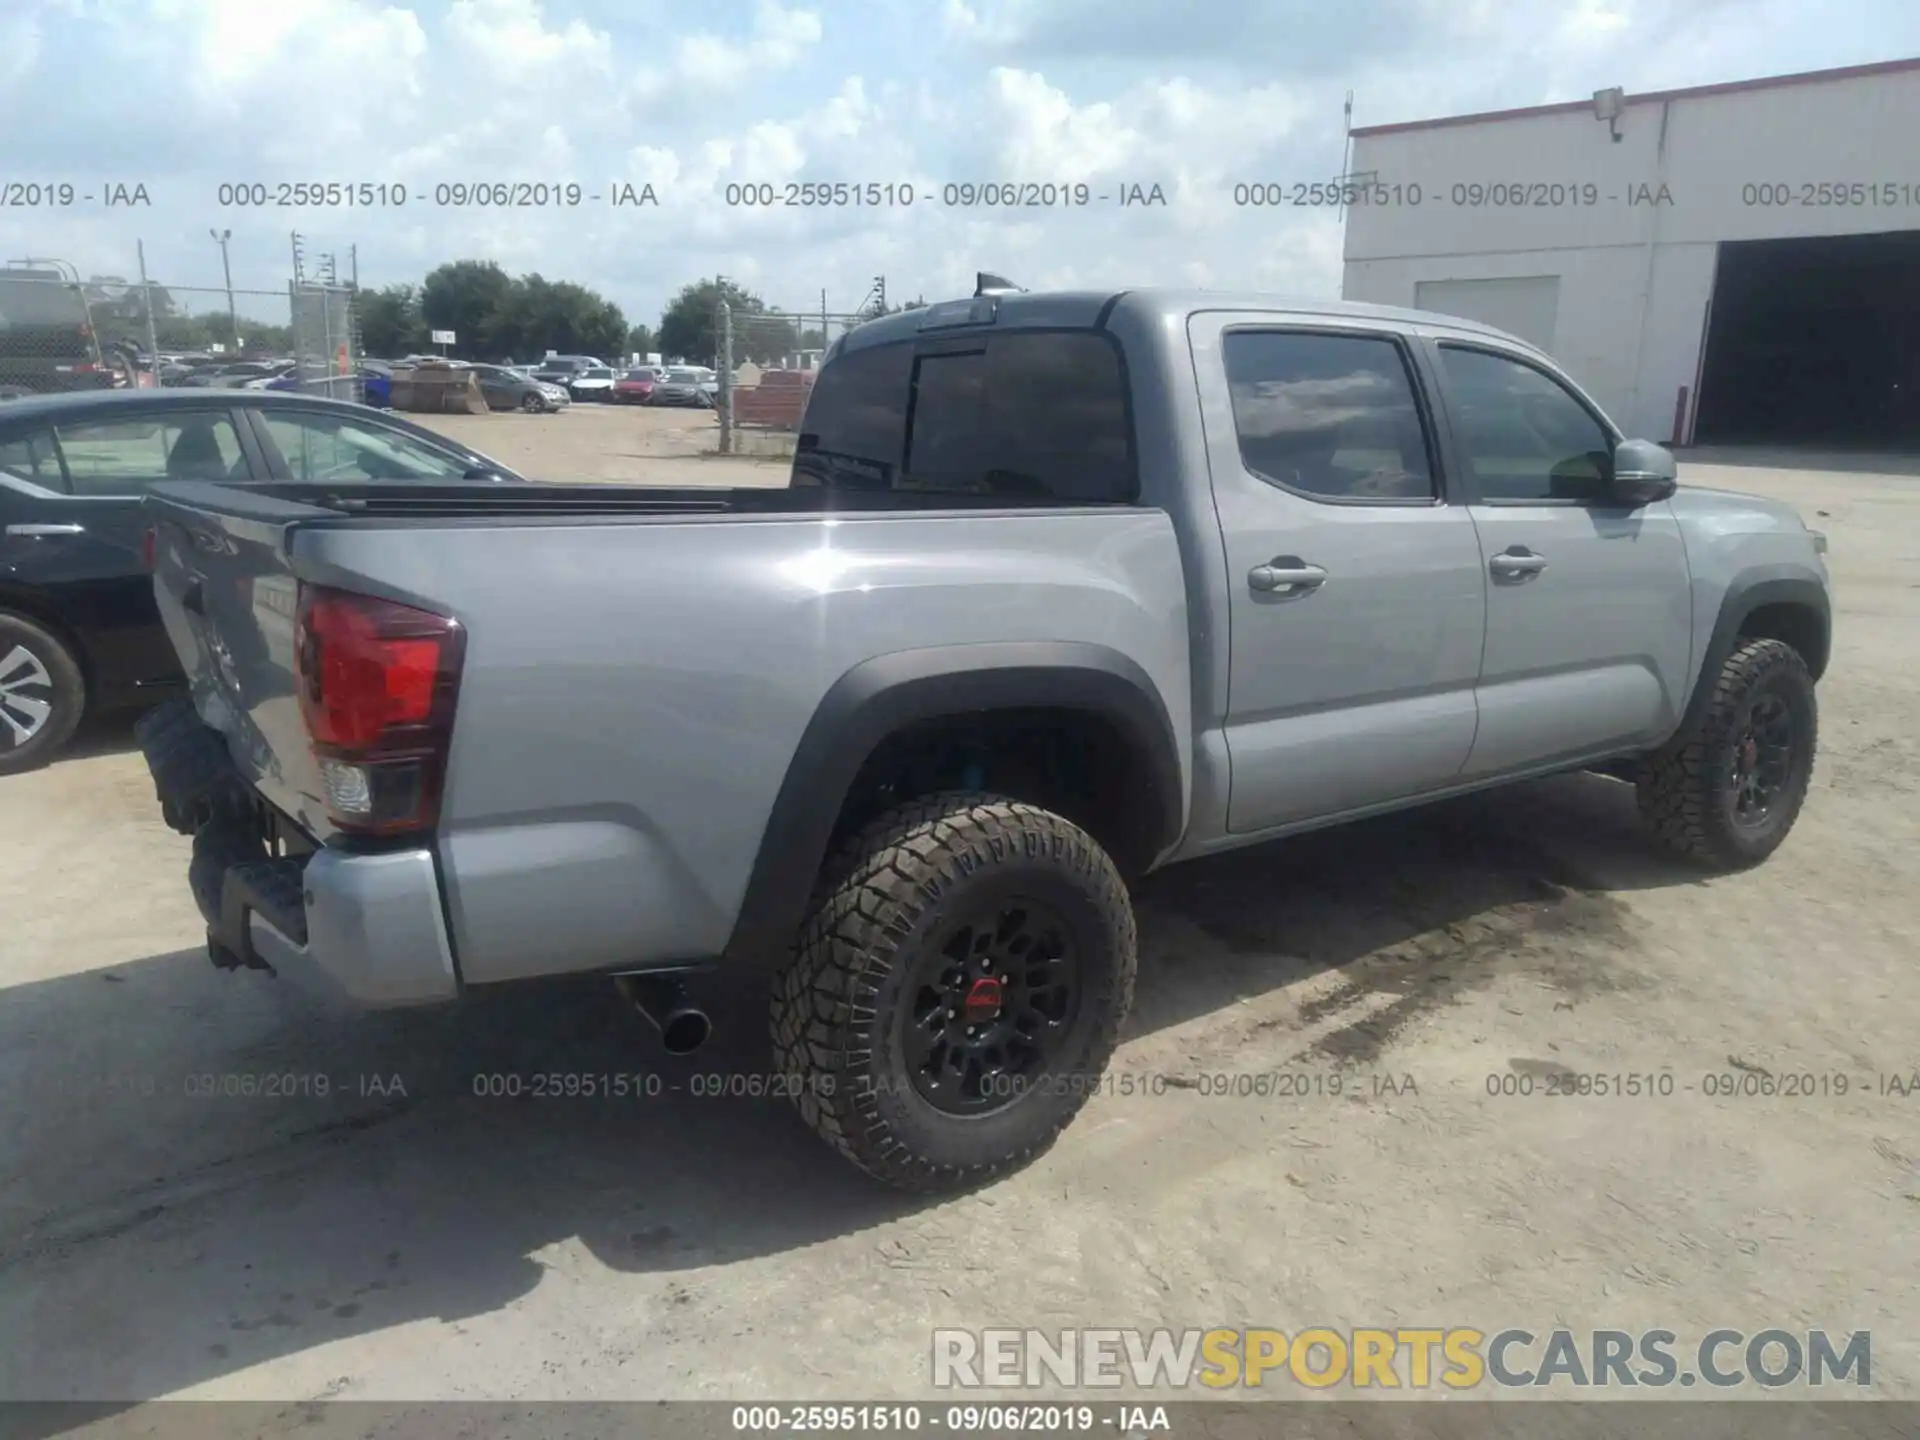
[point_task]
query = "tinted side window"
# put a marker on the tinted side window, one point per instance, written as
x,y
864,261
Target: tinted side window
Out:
x,y
1026,413
33,458
1328,415
1524,435
125,457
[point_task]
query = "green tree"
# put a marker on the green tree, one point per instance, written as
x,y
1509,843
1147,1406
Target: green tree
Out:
x,y
468,298
390,321
640,341
687,328
539,314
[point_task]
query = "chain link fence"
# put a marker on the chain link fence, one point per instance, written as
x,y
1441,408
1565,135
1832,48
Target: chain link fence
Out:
x,y
62,331
766,365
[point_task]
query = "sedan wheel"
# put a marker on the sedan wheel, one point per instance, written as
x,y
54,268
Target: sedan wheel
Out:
x,y
533,402
41,694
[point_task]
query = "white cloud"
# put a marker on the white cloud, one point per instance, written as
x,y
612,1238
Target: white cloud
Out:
x,y
778,39
19,46
511,40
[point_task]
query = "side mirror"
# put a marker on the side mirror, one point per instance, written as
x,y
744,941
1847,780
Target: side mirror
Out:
x,y
1643,472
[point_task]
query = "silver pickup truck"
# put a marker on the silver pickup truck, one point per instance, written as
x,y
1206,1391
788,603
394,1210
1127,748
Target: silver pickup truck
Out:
x,y
1064,588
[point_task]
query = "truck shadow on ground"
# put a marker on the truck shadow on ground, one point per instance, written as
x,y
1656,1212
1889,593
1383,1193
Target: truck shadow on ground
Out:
x,y
160,1227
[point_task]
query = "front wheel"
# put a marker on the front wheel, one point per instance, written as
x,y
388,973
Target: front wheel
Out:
x,y
957,990
42,694
1728,794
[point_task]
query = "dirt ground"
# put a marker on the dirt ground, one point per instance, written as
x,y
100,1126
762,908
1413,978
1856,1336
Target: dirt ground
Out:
x,y
588,442
400,1238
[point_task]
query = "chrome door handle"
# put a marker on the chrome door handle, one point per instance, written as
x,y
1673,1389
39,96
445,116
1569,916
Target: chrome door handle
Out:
x,y
1516,564
1286,575
38,530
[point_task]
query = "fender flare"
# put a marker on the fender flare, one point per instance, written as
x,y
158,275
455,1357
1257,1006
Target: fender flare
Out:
x,y
878,697
1743,597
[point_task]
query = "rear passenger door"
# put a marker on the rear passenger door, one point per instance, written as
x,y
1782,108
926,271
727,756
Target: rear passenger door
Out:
x,y
1589,602
76,528
1357,604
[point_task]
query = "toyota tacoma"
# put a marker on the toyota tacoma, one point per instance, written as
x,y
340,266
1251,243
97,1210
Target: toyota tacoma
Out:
x,y
1064,588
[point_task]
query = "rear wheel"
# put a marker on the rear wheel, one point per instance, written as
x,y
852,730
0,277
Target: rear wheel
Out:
x,y
957,991
1729,794
42,694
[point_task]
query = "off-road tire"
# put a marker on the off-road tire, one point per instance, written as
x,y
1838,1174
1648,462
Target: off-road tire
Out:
x,y
67,691
886,895
1685,791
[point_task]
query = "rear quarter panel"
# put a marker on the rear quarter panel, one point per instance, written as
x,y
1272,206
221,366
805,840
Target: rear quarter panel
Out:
x,y
635,690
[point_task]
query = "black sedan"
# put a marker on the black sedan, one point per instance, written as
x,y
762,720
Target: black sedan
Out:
x,y
79,631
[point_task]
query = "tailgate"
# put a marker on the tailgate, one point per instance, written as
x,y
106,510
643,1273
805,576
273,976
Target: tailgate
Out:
x,y
226,591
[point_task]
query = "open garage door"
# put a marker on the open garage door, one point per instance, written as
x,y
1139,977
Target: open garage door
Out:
x,y
1814,342
1524,305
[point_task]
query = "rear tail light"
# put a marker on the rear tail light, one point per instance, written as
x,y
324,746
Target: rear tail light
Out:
x,y
378,682
149,548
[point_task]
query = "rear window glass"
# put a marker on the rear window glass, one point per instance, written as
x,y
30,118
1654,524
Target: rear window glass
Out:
x,y
1025,413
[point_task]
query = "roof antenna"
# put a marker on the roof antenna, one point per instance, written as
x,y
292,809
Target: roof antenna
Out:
x,y
985,284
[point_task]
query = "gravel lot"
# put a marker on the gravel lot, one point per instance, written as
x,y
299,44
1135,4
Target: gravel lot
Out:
x,y
430,1244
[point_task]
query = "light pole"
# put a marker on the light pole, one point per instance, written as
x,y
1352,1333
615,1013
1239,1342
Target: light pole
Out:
x,y
220,238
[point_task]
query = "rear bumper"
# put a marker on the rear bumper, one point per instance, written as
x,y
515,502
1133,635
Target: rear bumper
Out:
x,y
367,930
373,933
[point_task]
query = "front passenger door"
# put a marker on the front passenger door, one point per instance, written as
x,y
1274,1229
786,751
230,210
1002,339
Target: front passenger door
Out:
x,y
1589,602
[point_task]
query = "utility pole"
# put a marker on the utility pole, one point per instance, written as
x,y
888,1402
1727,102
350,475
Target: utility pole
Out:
x,y
146,300
220,238
297,276
353,265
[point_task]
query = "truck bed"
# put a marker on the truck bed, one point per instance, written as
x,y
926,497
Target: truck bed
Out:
x,y
640,666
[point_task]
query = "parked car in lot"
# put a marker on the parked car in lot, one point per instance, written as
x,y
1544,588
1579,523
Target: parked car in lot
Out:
x,y
231,375
47,342
78,628
593,383
1065,588
506,389
376,384
684,386
565,369
635,387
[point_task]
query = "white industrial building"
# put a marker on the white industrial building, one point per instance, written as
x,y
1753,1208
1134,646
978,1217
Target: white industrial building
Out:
x,y
1726,264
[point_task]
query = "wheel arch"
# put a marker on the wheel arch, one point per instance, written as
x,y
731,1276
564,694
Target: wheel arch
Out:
x,y
1793,608
900,694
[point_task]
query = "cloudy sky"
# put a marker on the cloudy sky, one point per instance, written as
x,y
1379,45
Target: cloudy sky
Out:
x,y
182,96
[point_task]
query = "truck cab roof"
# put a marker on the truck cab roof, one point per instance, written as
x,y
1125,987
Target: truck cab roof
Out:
x,y
1075,309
